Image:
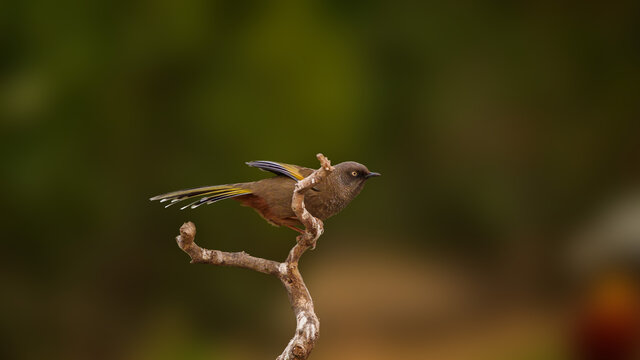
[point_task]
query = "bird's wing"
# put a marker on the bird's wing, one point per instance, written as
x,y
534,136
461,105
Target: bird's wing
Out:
x,y
293,171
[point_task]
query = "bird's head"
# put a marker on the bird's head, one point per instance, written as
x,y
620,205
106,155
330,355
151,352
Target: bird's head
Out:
x,y
352,176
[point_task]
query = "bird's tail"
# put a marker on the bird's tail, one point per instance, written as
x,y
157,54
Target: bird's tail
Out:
x,y
210,194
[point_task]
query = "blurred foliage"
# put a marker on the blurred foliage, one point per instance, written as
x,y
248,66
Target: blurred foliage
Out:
x,y
497,126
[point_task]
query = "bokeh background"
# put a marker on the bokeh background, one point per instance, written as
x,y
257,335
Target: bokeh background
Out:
x,y
505,226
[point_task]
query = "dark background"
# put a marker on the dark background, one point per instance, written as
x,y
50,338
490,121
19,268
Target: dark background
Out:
x,y
501,131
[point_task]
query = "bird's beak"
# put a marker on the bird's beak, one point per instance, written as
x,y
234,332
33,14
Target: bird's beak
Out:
x,y
371,174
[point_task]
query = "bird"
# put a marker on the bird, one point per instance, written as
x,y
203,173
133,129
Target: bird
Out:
x,y
271,197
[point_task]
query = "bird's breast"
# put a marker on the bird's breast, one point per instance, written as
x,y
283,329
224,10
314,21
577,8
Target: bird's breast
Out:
x,y
324,204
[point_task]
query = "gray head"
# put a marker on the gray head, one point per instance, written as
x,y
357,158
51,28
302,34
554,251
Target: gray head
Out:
x,y
352,176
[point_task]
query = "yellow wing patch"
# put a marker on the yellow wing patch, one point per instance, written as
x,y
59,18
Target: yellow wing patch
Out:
x,y
278,168
293,171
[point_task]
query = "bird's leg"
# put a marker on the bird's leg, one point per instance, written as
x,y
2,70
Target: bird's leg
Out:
x,y
295,228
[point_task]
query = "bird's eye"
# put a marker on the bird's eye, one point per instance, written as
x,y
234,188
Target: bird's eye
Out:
x,y
354,173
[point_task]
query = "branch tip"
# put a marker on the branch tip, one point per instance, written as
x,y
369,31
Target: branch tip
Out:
x,y
324,162
188,231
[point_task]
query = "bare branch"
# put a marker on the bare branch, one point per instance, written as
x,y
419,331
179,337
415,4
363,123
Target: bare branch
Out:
x,y
214,257
308,325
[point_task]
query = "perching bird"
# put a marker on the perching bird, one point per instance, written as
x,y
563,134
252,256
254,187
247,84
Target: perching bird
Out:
x,y
271,197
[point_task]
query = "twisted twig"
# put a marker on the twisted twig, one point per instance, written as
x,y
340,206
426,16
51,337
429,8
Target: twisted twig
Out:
x,y
308,325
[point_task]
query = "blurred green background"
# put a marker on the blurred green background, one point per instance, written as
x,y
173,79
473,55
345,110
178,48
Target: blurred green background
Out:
x,y
500,130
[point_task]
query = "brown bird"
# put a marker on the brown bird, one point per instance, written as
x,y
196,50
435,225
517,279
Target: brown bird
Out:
x,y
271,197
